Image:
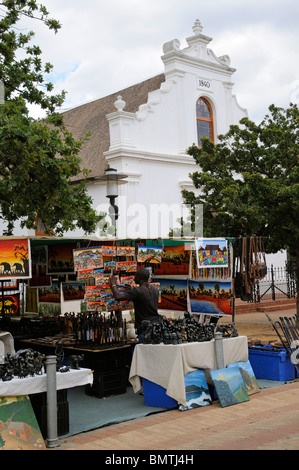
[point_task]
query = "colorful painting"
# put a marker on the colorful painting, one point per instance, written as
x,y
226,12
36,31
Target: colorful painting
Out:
x,y
149,254
175,262
60,258
73,291
108,250
210,297
85,274
15,259
197,390
87,258
127,266
10,304
49,295
247,375
125,251
229,386
19,429
173,293
212,252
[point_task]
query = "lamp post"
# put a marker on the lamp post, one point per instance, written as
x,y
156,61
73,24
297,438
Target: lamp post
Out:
x,y
112,180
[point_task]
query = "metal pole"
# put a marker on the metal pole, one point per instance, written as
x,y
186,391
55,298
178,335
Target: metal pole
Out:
x,y
219,349
52,439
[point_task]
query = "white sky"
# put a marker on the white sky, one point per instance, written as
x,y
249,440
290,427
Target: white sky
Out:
x,y
107,45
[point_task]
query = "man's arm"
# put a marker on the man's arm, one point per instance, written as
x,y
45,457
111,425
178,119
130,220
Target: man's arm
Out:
x,y
117,295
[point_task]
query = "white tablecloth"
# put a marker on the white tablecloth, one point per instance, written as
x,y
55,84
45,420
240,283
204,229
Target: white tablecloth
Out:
x,y
38,384
166,365
6,345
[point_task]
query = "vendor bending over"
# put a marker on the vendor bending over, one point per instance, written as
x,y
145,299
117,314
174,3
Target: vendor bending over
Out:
x,y
145,298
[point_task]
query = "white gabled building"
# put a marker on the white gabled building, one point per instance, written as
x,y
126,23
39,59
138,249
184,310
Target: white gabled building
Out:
x,y
145,130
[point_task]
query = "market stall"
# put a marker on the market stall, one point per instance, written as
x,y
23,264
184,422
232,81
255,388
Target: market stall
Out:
x,y
56,299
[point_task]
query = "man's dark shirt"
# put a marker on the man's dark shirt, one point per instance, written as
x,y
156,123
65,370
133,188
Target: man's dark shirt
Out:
x,y
145,299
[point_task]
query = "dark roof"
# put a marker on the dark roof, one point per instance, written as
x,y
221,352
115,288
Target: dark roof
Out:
x,y
91,117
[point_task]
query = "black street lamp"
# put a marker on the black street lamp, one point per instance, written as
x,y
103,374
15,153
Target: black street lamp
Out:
x,y
112,179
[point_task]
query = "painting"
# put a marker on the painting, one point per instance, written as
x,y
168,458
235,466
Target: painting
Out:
x,y
248,376
15,259
73,291
210,297
19,429
60,258
149,254
10,304
125,251
31,300
126,266
13,284
211,252
197,390
87,258
50,294
39,267
173,293
175,262
229,386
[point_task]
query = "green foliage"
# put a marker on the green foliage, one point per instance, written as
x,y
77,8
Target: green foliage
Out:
x,y
249,181
38,159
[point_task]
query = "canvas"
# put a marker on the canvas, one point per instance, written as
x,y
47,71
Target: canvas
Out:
x,y
248,376
210,297
173,293
19,429
229,386
197,390
211,252
15,259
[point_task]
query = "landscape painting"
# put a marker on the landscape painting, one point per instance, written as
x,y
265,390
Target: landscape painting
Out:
x,y
229,386
15,259
60,258
175,262
248,376
19,429
197,390
210,297
173,293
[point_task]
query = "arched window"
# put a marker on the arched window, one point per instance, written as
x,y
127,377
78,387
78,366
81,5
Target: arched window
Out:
x,y
204,117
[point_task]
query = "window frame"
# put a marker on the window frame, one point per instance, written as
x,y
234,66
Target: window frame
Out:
x,y
209,120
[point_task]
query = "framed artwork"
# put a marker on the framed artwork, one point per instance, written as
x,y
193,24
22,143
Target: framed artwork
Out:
x,y
19,429
125,251
87,258
149,254
126,266
10,304
73,291
85,274
175,262
39,255
173,293
197,390
211,252
15,259
229,386
60,259
210,297
248,376
12,284
49,295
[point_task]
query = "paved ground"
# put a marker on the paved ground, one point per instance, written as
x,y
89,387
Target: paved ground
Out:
x,y
268,421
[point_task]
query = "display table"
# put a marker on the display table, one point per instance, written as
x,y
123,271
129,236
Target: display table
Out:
x,y
166,365
38,384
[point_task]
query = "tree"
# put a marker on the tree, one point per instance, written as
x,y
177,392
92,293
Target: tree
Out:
x,y
249,182
38,158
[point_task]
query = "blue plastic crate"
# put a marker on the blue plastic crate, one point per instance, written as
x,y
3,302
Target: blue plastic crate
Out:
x,y
155,395
271,363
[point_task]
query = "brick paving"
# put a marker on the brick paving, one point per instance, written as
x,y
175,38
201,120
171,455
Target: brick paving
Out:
x,y
268,421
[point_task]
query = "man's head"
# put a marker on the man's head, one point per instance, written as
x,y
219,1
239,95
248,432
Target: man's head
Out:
x,y
142,276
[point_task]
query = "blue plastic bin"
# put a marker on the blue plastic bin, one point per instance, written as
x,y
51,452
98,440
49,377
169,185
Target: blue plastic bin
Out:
x,y
155,395
271,363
